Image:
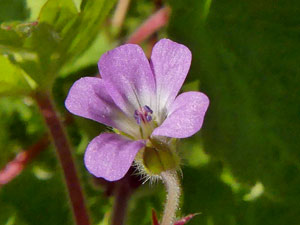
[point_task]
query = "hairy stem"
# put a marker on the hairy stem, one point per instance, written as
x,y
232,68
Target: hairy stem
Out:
x,y
170,179
64,154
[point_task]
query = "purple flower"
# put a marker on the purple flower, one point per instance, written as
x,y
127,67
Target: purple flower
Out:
x,y
139,99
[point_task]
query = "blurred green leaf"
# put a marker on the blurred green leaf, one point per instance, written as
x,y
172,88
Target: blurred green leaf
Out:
x,y
90,57
37,201
148,197
13,80
21,125
35,7
244,54
9,216
13,10
58,13
61,35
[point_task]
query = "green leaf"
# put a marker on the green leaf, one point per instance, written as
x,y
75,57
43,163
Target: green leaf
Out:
x,y
13,10
9,216
42,49
33,198
58,13
35,7
21,125
76,30
143,202
9,37
13,80
244,54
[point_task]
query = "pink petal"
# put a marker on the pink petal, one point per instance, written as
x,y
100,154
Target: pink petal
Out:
x,y
170,62
130,80
185,117
111,155
88,98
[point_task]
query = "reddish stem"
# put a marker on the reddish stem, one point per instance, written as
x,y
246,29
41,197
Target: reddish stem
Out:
x,y
154,218
122,191
150,26
15,167
63,151
122,195
185,219
154,37
158,4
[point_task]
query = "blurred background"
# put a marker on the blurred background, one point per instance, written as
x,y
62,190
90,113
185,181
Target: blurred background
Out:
x,y
241,169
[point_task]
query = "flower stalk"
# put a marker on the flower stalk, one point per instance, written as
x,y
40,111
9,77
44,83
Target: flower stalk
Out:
x,y
64,154
158,20
122,195
173,189
16,166
120,13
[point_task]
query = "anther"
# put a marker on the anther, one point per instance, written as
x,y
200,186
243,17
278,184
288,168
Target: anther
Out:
x,y
143,114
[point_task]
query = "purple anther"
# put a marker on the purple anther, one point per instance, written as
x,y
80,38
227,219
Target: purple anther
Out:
x,y
143,114
149,118
147,109
137,116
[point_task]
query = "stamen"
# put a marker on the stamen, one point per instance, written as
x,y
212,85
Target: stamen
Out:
x,y
149,118
143,114
147,109
137,117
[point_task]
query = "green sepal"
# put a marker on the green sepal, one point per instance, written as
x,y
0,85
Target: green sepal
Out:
x,y
159,157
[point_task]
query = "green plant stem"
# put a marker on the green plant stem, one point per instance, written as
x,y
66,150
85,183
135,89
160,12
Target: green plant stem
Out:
x,y
172,184
64,154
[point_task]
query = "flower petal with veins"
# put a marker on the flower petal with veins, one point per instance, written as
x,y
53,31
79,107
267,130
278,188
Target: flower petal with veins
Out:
x,y
88,98
111,155
129,78
170,63
185,117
